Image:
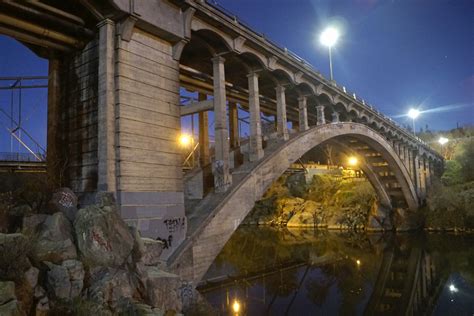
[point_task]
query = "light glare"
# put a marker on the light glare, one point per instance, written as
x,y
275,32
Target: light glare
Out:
x,y
352,161
184,140
236,307
452,288
329,36
413,113
443,140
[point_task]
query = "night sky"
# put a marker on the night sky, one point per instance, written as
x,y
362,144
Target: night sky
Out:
x,y
395,54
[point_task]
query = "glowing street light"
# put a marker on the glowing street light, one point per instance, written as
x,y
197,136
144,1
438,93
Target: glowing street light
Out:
x,y
329,38
443,140
452,288
352,161
358,262
236,307
414,113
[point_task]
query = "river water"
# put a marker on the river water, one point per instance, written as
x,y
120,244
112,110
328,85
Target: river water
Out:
x,y
269,271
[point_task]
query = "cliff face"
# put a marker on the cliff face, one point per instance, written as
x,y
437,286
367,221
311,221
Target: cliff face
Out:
x,y
326,202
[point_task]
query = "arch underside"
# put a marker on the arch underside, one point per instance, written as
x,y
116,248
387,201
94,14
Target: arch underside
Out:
x,y
393,189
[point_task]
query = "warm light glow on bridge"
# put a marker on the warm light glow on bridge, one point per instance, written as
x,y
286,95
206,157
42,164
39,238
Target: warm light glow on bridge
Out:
x,y
184,140
352,161
236,307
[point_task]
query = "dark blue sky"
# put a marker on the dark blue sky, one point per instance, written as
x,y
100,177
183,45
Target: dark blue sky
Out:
x,y
395,54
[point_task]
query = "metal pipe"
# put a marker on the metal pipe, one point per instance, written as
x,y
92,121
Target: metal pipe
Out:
x,y
32,39
56,11
24,78
27,26
49,17
24,87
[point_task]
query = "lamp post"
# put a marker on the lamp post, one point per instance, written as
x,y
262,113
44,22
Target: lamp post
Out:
x,y
329,38
413,113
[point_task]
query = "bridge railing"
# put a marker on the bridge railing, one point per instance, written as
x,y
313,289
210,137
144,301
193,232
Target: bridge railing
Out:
x,y
215,4
21,157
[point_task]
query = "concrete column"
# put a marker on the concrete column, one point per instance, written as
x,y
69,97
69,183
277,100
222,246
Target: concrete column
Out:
x,y
303,114
416,171
411,165
204,155
53,133
407,159
106,108
335,117
234,125
428,173
222,177
320,115
282,128
255,149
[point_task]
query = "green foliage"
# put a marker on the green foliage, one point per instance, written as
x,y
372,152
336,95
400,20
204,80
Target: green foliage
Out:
x,y
450,206
14,258
452,173
466,160
322,189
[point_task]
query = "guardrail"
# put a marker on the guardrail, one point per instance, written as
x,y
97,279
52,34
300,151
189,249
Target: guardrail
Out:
x,y
21,157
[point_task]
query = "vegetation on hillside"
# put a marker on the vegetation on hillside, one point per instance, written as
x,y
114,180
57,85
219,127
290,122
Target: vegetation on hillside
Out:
x,y
450,199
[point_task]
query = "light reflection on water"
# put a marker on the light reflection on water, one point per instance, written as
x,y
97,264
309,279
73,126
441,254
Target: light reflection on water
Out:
x,y
268,271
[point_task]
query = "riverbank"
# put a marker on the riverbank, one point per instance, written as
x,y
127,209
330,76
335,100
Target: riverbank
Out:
x,y
326,202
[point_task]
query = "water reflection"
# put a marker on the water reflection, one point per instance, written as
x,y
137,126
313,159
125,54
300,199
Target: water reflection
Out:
x,y
266,271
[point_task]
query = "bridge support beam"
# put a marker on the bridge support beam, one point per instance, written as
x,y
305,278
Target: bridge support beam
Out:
x,y
204,155
54,117
106,108
335,117
222,176
282,128
320,115
233,125
303,114
255,149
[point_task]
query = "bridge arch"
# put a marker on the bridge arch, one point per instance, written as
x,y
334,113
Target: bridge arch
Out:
x,y
234,206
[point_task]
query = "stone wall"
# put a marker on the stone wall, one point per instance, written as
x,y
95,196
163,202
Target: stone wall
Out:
x,y
78,120
149,175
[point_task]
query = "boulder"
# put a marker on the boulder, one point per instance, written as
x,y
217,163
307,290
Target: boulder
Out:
x,y
65,281
14,252
31,278
103,199
8,302
303,219
32,223
163,289
151,252
64,201
20,210
7,292
55,240
109,286
379,218
102,236
42,305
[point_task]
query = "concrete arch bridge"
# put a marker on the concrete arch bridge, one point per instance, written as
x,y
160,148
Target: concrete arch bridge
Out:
x,y
117,72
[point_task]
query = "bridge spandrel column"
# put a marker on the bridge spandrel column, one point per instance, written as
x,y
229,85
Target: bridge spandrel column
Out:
x,y
335,117
320,115
303,114
282,128
256,149
234,125
220,168
204,155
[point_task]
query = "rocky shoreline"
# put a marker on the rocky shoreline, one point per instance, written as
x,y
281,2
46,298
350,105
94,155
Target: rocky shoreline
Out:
x,y
86,262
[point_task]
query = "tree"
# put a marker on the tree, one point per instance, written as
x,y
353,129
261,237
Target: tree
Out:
x,y
466,160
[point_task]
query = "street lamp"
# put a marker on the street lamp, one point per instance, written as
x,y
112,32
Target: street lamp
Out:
x,y
185,140
414,113
329,38
443,140
352,161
